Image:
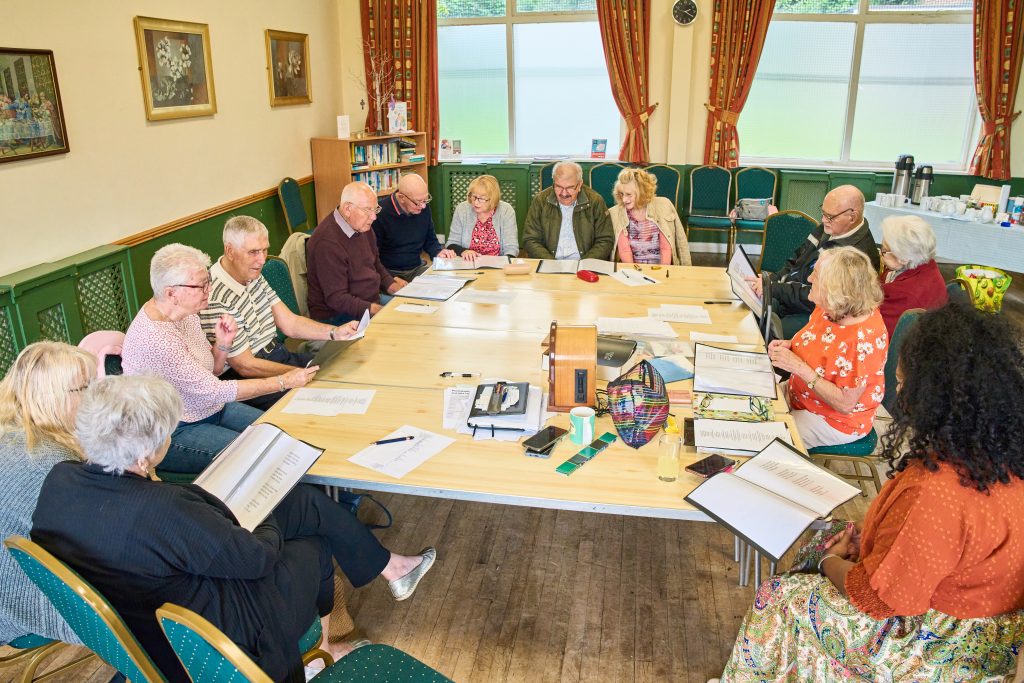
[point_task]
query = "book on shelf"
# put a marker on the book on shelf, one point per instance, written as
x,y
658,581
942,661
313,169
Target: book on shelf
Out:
x,y
772,498
398,116
256,470
407,142
415,158
571,267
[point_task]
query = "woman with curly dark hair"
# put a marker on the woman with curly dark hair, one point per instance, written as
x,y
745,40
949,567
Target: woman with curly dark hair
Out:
x,y
931,586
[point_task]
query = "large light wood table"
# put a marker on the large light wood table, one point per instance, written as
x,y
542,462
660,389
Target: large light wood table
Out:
x,y
403,355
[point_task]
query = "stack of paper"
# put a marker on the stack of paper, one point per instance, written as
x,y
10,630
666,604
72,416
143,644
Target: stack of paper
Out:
x,y
737,438
635,327
458,402
465,264
676,313
745,373
433,287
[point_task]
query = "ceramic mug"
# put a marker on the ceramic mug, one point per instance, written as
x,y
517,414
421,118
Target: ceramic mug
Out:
x,y
581,425
988,214
972,214
899,200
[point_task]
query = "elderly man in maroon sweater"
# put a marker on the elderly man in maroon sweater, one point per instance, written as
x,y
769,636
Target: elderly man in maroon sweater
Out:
x,y
344,271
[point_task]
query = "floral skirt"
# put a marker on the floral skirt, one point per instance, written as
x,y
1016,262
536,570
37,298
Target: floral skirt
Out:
x,y
801,628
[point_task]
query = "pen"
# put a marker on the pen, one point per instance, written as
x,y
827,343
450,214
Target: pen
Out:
x,y
651,280
386,441
718,302
449,373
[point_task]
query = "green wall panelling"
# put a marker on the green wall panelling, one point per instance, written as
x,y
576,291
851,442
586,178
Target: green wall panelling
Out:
x,y
45,304
106,293
10,338
803,190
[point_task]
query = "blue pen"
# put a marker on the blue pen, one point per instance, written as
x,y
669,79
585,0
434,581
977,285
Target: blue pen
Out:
x,y
387,441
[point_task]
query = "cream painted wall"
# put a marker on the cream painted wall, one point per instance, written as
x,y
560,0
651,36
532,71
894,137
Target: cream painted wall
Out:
x,y
125,174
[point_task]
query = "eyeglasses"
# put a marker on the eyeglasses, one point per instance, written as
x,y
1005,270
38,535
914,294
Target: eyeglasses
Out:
x,y
831,217
369,210
205,286
420,202
567,188
477,198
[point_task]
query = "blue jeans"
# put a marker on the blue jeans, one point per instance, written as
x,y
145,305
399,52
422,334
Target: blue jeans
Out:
x,y
194,444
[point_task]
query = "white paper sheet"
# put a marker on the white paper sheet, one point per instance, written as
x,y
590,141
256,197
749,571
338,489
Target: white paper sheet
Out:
x,y
705,337
782,471
460,263
479,296
632,327
727,436
675,313
528,423
621,276
399,459
734,381
364,323
739,269
329,402
433,287
713,357
457,403
424,309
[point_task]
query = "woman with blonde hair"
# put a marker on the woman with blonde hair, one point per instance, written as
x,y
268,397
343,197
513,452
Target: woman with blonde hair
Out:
x,y
647,228
837,361
38,400
483,225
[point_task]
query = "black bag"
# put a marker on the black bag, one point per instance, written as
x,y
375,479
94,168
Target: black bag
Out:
x,y
352,500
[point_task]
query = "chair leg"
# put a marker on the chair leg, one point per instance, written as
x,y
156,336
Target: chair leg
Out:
x,y
315,654
772,566
745,570
736,549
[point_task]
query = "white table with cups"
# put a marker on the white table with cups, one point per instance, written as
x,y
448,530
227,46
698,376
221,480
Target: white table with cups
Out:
x,y
961,236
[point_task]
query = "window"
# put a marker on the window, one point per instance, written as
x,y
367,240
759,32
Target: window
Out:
x,y
523,77
857,82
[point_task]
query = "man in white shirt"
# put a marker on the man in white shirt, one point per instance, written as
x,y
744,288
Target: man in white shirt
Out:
x,y
568,220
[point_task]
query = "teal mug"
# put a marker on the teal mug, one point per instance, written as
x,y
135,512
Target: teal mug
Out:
x,y
581,425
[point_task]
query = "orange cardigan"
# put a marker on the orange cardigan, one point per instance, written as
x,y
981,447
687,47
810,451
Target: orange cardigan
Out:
x,y
930,543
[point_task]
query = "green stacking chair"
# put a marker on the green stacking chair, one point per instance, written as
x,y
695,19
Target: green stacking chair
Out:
x,y
210,657
754,182
30,651
280,279
899,334
669,181
291,201
601,179
545,175
709,203
956,290
783,233
87,612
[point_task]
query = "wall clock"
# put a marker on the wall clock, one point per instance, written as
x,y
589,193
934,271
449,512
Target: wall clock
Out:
x,y
684,12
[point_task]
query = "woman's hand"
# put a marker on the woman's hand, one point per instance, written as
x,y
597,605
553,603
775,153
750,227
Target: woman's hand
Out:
x,y
446,253
784,359
347,330
299,377
755,284
846,545
470,255
395,286
225,330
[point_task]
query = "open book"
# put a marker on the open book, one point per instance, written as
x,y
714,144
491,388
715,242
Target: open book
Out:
x,y
433,287
741,373
773,498
737,437
463,264
570,267
256,471
739,269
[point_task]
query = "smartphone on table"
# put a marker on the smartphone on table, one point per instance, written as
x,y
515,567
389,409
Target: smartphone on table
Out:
x,y
541,443
713,464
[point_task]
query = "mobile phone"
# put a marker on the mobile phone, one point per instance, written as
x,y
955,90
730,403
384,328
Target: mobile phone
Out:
x,y
546,453
713,464
544,439
689,439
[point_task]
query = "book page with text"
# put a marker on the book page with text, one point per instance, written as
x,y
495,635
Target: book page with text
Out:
x,y
780,470
597,265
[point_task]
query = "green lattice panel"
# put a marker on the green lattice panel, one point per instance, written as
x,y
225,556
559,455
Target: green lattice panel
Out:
x,y
8,347
534,181
53,324
509,192
102,296
459,185
806,195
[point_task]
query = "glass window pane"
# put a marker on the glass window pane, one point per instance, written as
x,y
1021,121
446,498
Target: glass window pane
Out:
x,y
919,5
817,6
472,74
916,93
556,6
797,103
462,9
562,102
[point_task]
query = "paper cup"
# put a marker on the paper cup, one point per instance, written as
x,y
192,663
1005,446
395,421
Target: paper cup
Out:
x,y
581,425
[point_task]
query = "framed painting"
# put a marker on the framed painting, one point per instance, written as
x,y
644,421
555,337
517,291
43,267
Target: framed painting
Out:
x,y
31,116
176,68
288,67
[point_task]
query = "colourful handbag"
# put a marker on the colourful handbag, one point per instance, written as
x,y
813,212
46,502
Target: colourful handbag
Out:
x,y
985,285
638,403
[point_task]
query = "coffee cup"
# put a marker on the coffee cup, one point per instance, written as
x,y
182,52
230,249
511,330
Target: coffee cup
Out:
x,y
879,196
987,214
899,200
581,425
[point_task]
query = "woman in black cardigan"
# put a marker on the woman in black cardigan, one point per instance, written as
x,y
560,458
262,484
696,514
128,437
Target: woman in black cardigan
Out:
x,y
142,542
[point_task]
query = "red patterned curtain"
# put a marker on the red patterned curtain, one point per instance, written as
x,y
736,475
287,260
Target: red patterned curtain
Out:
x,y
998,41
404,31
626,37
738,31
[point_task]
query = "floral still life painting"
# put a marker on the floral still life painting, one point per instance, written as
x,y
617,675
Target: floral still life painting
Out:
x,y
288,67
31,116
176,68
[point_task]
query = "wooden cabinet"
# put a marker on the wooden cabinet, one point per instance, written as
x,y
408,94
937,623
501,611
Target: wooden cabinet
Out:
x,y
376,160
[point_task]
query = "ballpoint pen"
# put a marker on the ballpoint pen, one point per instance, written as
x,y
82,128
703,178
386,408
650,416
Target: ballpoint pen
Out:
x,y
396,440
718,302
649,279
449,373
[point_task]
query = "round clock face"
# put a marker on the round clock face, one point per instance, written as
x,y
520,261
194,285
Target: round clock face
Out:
x,y
684,12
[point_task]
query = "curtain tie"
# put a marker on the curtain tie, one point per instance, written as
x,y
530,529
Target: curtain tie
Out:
x,y
634,121
992,127
723,115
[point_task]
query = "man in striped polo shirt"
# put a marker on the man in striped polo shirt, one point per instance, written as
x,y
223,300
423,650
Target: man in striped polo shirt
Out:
x,y
238,288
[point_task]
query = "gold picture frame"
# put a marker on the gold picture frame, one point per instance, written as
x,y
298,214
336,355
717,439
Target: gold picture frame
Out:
x,y
288,68
176,68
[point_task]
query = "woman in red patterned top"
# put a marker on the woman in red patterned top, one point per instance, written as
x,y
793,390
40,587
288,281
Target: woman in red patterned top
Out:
x,y
837,361
483,225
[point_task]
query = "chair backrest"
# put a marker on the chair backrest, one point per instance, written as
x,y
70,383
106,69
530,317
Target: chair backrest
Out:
x,y
899,334
601,179
101,344
755,182
207,654
545,174
278,276
956,290
291,202
783,233
669,181
87,612
709,190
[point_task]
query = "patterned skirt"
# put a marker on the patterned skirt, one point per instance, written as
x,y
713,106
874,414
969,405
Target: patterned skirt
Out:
x,y
801,629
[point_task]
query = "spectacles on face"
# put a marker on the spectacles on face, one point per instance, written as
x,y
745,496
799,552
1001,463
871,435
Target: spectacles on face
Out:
x,y
205,286
567,189
831,217
475,198
369,210
419,202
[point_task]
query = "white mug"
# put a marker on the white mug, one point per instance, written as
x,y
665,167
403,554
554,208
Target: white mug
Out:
x,y
987,214
886,200
878,198
899,199
961,208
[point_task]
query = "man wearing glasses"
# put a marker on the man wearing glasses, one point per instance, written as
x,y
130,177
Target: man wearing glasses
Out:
x,y
568,220
343,268
842,225
405,229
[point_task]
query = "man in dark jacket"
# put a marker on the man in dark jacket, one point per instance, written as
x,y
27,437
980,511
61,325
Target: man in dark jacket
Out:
x,y
568,220
842,225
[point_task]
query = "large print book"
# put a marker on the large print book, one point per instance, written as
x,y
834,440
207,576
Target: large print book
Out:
x,y
737,437
433,287
772,498
741,373
570,267
739,269
460,263
256,471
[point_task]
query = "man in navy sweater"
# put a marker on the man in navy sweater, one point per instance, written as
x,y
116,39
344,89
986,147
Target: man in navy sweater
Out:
x,y
405,229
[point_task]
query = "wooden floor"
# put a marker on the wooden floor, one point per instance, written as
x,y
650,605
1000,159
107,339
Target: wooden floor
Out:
x,y
521,594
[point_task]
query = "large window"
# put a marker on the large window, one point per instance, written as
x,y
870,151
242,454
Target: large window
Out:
x,y
524,78
857,82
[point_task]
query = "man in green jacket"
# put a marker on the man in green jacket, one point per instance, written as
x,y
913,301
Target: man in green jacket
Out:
x,y
568,220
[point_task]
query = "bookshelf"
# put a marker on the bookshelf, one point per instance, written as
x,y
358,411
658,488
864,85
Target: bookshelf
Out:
x,y
375,159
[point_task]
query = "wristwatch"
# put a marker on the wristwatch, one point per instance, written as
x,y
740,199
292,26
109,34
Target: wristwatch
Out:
x,y
331,333
810,385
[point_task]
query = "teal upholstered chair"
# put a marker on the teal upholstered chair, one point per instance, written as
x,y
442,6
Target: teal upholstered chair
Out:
x,y
210,657
709,203
669,181
87,612
956,290
899,334
280,279
754,182
291,201
30,651
783,233
545,175
601,179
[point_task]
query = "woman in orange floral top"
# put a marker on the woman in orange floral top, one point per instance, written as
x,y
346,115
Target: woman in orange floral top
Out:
x,y
837,361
